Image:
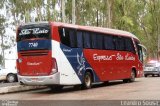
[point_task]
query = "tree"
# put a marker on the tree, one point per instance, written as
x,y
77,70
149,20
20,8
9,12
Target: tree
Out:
x,y
140,17
63,11
2,31
109,13
73,12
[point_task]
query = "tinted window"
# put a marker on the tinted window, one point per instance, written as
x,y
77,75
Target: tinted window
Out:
x,y
64,36
87,40
129,45
100,41
109,43
33,31
94,41
120,43
139,50
73,38
68,37
79,39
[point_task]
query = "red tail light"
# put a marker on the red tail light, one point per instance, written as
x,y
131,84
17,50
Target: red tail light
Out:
x,y
54,66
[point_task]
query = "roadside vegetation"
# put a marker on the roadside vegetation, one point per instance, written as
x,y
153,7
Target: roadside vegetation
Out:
x,y
140,17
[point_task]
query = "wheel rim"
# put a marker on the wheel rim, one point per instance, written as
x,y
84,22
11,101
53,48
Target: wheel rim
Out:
x,y
88,80
10,78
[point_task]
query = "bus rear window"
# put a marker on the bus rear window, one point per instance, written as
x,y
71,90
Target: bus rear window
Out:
x,y
33,31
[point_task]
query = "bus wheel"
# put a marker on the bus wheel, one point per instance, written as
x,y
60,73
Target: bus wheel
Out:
x,y
133,76
11,78
87,80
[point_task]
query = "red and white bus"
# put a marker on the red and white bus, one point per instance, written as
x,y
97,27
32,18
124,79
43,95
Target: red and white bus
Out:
x,y
58,54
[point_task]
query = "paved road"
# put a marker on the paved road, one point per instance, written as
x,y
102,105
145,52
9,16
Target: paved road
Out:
x,y
143,89
4,84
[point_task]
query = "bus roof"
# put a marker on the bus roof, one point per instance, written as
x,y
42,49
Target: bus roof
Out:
x,y
97,29
89,28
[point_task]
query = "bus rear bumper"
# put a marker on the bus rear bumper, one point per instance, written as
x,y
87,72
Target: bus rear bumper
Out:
x,y
40,80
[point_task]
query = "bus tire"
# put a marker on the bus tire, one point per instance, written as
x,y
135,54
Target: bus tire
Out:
x,y
133,76
87,81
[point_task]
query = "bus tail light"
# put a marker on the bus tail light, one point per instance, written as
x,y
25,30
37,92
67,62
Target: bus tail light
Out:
x,y
54,66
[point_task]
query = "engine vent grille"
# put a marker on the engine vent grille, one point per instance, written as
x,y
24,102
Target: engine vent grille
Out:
x,y
34,53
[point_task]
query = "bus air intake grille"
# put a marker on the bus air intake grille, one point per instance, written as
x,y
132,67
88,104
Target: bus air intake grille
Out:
x,y
35,53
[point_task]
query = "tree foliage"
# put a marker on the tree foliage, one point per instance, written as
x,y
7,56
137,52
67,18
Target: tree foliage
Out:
x,y
140,17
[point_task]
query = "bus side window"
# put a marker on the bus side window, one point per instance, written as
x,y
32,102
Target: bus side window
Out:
x,y
109,43
100,41
79,39
64,36
87,39
119,42
94,41
140,53
129,45
73,38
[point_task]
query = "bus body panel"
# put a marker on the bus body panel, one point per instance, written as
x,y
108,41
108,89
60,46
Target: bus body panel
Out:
x,y
111,65
68,75
34,57
78,62
35,65
65,75
54,32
